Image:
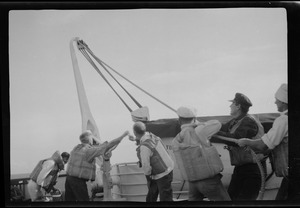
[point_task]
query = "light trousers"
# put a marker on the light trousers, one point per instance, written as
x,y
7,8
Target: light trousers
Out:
x,y
34,190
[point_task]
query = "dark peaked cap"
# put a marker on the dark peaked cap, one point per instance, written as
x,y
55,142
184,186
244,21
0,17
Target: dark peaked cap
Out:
x,y
241,99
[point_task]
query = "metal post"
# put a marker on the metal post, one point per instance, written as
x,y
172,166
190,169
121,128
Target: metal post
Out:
x,y
107,181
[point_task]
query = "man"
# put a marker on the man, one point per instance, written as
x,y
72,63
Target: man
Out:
x,y
156,163
45,174
246,179
51,178
276,139
82,168
190,148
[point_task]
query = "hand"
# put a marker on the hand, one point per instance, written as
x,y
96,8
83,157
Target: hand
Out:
x,y
242,142
131,138
107,155
125,133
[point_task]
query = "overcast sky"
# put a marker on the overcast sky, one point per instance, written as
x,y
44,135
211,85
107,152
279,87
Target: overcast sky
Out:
x,y
195,57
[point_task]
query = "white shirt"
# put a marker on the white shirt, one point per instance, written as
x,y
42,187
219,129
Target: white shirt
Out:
x,y
205,130
278,131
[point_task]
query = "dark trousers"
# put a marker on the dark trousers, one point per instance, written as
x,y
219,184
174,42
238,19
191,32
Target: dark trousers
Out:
x,y
160,186
245,182
212,188
282,193
76,189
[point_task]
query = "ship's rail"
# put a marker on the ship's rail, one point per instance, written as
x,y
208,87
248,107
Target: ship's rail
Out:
x,y
22,182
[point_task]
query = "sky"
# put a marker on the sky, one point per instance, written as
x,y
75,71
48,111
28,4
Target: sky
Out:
x,y
192,57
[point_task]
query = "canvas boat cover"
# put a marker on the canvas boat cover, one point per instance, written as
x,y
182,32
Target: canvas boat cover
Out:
x,y
165,128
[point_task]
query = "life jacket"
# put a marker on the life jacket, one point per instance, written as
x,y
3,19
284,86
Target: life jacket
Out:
x,y
239,155
51,178
195,160
279,157
158,157
57,167
36,171
78,166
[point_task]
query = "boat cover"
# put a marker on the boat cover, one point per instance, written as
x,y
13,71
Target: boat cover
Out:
x,y
165,128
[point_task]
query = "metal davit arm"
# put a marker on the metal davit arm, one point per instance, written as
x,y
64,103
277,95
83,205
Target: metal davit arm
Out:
x,y
88,122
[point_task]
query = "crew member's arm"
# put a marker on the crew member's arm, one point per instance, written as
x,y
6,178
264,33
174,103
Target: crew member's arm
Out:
x,y
209,128
96,151
48,165
116,141
248,128
271,139
257,145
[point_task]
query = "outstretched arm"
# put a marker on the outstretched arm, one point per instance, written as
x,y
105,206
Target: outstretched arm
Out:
x,y
116,141
257,145
103,148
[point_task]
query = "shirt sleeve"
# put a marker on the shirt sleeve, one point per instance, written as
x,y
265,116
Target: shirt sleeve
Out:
x,y
145,157
208,128
96,151
48,165
278,131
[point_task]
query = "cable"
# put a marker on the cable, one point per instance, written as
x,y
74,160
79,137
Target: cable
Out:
x,y
130,81
96,68
88,50
262,173
261,169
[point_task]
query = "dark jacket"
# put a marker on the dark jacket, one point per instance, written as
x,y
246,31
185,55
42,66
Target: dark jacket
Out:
x,y
247,128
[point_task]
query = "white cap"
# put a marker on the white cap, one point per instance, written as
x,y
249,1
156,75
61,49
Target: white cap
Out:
x,y
281,93
141,114
187,112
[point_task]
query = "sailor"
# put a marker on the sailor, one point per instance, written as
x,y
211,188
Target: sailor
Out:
x,y
199,161
276,140
46,169
156,163
246,179
82,167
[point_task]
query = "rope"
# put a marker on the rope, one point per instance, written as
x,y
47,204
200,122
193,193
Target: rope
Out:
x,y
84,53
181,189
262,173
261,169
100,61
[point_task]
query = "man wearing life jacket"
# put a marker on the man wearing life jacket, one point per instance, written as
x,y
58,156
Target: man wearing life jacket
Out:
x,y
276,140
198,160
82,167
47,168
156,163
246,179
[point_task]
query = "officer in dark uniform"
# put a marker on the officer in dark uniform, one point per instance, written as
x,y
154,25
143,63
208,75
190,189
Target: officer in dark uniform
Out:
x,y
246,179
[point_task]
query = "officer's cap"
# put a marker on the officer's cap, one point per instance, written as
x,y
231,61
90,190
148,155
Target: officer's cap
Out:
x,y
241,99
